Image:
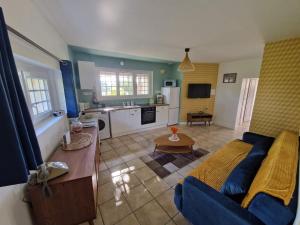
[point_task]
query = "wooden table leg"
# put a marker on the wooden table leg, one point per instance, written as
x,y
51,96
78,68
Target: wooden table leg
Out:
x,y
155,148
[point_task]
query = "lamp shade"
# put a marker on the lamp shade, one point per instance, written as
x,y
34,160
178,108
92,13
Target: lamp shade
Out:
x,y
186,65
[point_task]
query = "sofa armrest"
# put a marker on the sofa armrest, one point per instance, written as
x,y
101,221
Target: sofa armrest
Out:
x,y
253,138
201,204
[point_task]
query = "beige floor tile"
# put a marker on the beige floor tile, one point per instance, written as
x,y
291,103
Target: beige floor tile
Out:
x,y
109,191
128,142
185,170
152,214
122,150
119,169
98,220
180,220
128,156
137,197
113,162
144,174
117,145
156,185
173,179
135,164
130,181
102,167
129,220
171,222
134,146
113,211
104,177
166,200
105,148
109,155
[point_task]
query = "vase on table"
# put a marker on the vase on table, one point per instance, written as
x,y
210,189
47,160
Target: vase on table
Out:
x,y
174,136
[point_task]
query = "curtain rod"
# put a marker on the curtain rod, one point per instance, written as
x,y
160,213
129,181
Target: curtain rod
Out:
x,y
12,30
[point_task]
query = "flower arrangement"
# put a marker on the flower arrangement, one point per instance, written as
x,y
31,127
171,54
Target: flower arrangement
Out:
x,y
174,130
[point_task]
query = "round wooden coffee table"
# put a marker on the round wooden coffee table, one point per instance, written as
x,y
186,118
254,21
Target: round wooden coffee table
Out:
x,y
184,145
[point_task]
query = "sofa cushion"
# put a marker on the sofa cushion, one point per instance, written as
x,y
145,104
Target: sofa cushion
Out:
x,y
261,147
278,172
240,179
271,210
253,138
215,170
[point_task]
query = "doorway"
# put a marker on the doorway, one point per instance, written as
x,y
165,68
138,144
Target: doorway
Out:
x,y
246,103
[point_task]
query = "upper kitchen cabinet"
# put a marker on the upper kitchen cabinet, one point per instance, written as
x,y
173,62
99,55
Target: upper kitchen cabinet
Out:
x,y
87,74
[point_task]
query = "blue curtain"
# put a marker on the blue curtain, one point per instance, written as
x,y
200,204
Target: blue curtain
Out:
x,y
69,87
19,148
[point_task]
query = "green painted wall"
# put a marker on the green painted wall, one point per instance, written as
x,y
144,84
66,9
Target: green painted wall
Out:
x,y
80,54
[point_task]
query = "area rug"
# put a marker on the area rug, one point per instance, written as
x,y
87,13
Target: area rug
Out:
x,y
163,164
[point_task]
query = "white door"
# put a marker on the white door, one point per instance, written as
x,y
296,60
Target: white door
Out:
x,y
173,116
250,100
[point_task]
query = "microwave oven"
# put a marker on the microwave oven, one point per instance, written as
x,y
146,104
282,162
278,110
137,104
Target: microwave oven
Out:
x,y
170,83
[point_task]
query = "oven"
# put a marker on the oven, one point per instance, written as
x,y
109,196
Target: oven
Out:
x,y
148,115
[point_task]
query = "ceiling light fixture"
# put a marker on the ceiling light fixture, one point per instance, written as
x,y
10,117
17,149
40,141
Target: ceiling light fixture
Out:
x,y
186,65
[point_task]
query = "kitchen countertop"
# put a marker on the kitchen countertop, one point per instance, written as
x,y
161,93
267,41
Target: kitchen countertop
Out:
x,y
115,108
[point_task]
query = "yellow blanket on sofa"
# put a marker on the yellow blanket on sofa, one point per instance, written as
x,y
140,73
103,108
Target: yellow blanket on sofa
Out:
x,y
215,170
277,174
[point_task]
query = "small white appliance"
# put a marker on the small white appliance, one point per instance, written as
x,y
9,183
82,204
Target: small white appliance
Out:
x,y
171,97
170,83
104,125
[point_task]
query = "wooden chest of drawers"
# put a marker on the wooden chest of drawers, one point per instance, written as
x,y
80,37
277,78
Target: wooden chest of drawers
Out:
x,y
74,198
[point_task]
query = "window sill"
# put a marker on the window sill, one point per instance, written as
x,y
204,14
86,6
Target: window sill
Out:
x,y
44,125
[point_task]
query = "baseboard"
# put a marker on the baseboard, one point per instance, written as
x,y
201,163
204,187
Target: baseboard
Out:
x,y
139,130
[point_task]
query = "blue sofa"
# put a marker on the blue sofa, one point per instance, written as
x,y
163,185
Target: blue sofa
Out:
x,y
202,205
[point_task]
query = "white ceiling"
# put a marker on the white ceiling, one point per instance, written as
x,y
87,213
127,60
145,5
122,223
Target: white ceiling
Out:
x,y
215,30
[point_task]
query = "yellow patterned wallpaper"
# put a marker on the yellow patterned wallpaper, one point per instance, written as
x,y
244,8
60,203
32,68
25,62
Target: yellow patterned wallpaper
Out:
x,y
277,104
204,73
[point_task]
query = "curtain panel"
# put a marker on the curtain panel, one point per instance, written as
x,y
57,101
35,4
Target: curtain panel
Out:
x,y
19,148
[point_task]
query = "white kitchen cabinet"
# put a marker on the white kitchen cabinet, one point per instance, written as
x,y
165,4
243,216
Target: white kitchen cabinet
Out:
x,y
162,115
87,74
135,119
125,121
119,122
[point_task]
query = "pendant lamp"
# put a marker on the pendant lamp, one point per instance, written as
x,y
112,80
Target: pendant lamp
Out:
x,y
186,65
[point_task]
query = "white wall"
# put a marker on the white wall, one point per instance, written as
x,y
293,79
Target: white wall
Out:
x,y
24,16
228,95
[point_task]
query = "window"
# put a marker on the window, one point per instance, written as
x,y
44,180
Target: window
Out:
x,y
108,83
121,84
126,84
39,95
142,84
38,87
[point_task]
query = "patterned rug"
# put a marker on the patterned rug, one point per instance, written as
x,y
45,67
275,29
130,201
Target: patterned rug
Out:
x,y
164,164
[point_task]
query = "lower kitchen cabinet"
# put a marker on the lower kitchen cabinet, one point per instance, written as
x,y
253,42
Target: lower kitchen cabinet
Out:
x,y
162,115
125,121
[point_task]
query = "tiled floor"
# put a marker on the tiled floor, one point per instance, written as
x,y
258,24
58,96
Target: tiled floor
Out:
x,y
131,193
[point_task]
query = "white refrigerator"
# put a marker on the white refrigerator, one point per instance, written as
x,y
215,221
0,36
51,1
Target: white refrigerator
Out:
x,y
171,97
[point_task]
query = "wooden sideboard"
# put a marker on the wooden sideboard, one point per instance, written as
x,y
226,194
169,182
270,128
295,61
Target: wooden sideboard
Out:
x,y
198,117
74,198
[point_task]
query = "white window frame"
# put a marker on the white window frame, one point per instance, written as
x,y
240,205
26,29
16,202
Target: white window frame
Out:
x,y
118,96
40,72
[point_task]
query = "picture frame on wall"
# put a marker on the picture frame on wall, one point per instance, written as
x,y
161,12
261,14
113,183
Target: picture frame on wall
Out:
x,y
229,77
